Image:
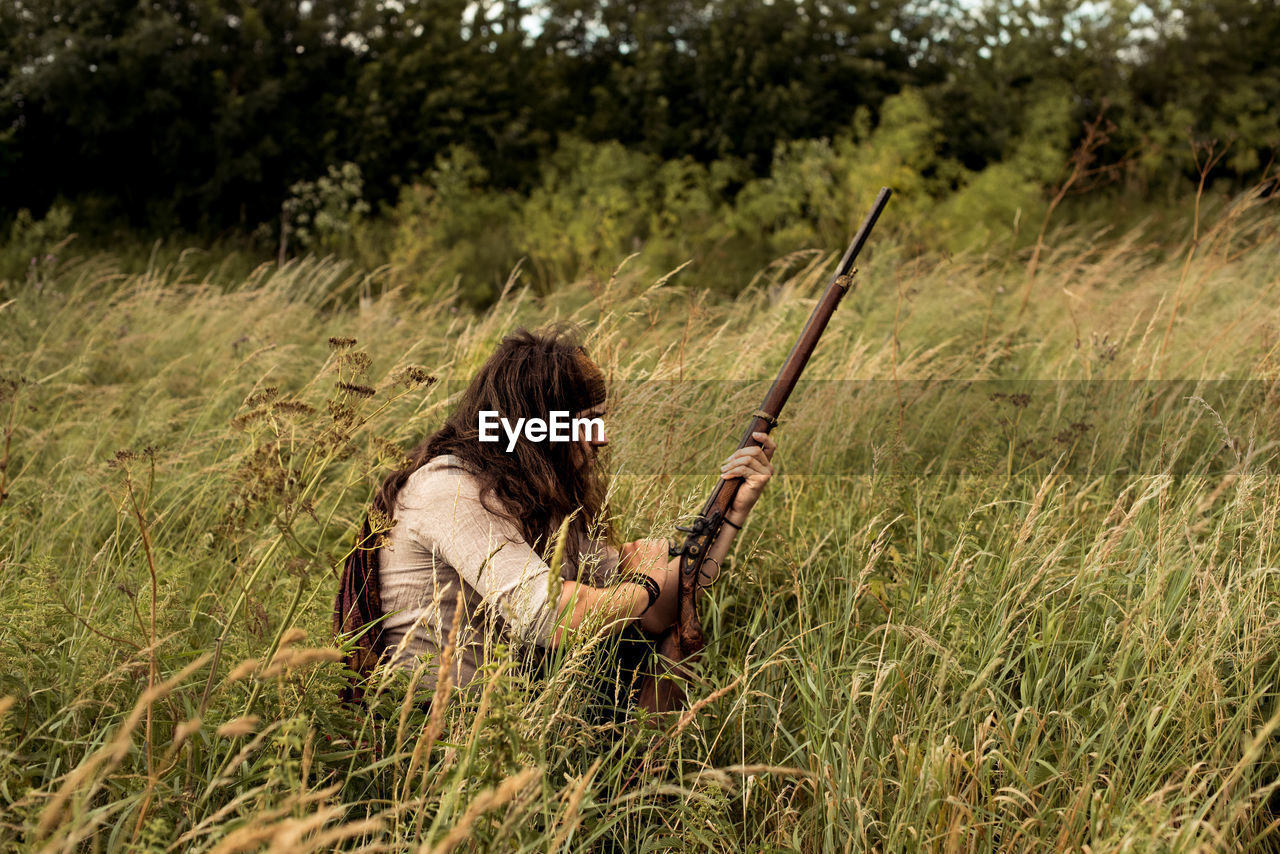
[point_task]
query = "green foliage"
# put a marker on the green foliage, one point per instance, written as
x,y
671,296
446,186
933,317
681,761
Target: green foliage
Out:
x,y
31,251
731,78
202,115
323,215
599,203
595,205
907,654
452,231
818,190
1208,74
592,208
189,114
996,203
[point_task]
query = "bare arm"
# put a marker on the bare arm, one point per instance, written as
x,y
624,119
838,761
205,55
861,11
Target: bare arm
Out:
x,y
609,607
652,558
614,607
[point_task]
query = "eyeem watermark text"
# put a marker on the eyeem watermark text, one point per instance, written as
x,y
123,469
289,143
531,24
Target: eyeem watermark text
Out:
x,y
558,427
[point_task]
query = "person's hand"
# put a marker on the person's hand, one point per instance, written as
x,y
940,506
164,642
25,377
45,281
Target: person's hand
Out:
x,y
754,467
651,558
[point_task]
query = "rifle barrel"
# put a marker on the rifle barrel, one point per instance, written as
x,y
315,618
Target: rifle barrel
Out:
x,y
776,398
851,254
817,323
685,639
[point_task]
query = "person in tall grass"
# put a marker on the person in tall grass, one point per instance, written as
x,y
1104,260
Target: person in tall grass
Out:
x,y
459,543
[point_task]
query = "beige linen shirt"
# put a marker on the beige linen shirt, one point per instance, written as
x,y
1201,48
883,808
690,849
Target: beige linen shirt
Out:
x,y
444,539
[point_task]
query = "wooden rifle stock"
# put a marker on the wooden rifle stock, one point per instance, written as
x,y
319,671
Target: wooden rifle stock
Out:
x,y
661,690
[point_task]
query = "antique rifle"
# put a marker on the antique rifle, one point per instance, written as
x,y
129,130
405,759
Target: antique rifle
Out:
x,y
661,690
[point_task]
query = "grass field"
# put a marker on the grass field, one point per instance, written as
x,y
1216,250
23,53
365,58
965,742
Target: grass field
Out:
x,y
996,638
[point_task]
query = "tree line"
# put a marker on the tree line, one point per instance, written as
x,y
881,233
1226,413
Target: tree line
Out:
x,y
201,115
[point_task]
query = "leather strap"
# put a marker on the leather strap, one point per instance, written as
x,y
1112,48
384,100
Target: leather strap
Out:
x,y
760,413
650,586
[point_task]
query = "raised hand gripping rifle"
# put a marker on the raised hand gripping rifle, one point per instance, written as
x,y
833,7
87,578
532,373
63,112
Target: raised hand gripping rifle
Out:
x,y
661,690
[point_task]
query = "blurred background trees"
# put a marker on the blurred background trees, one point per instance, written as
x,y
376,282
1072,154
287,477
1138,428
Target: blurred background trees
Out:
x,y
576,131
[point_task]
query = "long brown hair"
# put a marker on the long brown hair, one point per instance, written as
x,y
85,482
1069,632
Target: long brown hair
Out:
x,y
537,484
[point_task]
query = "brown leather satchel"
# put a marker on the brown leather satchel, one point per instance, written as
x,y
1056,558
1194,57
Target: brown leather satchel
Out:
x,y
357,612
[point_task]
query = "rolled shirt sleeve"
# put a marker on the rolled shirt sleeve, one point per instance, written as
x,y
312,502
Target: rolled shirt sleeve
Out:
x,y
489,554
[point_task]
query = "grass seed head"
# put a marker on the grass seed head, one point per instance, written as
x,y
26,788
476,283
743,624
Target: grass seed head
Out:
x,y
241,726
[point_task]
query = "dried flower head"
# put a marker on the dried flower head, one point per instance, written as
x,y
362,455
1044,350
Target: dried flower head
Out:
x,y
122,456
242,422
356,389
412,376
294,407
358,362
9,386
343,414
261,396
379,522
389,453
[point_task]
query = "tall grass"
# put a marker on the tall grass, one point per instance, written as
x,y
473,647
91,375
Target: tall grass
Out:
x,y
923,651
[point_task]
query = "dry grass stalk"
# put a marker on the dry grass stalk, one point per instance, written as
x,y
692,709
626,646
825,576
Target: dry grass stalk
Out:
x,y
237,727
444,684
181,733
330,838
290,657
302,800
243,669
1096,135
572,817
489,799
224,776
782,770
111,754
482,710
406,706
286,834
689,716
291,835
